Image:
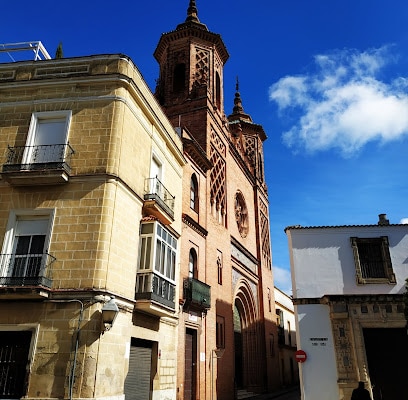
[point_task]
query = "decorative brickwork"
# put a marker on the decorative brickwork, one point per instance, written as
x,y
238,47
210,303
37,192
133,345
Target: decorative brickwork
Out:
x,y
218,143
266,244
250,143
201,67
217,178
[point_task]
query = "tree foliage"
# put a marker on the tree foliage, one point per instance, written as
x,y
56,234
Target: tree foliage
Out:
x,y
59,53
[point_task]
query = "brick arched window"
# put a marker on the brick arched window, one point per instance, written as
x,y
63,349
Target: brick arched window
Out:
x,y
218,91
192,264
194,193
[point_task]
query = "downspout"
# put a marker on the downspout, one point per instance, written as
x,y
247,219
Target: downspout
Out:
x,y
74,361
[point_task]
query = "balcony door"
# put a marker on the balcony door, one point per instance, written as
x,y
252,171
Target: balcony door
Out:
x,y
156,176
156,168
47,138
28,247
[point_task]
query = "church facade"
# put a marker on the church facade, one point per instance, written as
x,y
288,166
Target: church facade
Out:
x,y
227,329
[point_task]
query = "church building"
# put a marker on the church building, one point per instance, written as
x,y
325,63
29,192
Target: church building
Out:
x,y
227,330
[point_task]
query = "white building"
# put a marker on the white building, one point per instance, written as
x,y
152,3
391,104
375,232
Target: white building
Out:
x,y
285,320
347,284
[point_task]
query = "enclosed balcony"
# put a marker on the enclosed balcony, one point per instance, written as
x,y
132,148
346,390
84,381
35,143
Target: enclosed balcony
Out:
x,y
37,165
20,273
157,291
156,276
158,201
197,294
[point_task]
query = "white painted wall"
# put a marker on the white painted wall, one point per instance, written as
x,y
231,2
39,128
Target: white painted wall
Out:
x,y
322,260
318,374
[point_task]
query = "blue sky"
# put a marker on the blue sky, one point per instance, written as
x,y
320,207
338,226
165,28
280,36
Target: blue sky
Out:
x,y
327,79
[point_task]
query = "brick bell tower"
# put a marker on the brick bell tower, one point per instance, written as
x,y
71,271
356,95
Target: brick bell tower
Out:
x,y
190,85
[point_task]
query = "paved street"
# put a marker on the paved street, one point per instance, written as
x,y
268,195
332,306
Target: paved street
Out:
x,y
294,395
290,394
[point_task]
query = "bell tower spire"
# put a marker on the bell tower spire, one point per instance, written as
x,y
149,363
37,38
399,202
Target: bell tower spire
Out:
x,y
238,108
192,13
247,137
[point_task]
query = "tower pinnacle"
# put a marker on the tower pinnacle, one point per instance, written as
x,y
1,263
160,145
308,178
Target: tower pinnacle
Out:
x,y
192,13
192,18
238,109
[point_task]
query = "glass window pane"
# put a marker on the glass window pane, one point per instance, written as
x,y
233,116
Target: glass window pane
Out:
x,y
142,253
173,265
169,260
37,244
147,228
23,245
163,258
148,252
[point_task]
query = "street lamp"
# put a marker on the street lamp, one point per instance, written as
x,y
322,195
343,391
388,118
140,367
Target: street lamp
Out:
x,y
110,311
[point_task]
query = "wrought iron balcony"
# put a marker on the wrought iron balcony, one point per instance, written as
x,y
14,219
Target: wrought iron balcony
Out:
x,y
158,201
42,164
155,288
26,269
197,293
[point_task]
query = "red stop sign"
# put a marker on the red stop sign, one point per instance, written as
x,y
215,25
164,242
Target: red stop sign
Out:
x,y
300,356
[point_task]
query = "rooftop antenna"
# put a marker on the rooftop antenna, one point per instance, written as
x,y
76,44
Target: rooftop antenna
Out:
x,y
40,53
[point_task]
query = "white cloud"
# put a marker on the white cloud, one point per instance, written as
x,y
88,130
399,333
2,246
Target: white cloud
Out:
x,y
282,279
343,104
404,221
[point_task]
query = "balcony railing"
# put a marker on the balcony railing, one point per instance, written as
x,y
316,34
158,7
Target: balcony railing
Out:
x,y
150,286
26,269
197,293
37,158
155,190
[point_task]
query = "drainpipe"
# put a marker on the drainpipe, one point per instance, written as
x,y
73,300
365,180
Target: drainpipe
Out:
x,y
73,364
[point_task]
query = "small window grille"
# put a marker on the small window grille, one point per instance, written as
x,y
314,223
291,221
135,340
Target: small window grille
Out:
x,y
372,260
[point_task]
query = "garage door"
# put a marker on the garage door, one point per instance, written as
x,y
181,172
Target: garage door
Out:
x,y
138,380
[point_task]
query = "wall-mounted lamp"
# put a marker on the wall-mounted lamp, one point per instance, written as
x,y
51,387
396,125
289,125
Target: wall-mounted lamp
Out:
x,y
110,311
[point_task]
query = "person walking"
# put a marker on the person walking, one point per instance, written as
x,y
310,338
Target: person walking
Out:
x,y
360,393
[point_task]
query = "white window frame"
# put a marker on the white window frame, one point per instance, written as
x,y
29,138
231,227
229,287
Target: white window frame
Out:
x,y
46,115
153,254
9,237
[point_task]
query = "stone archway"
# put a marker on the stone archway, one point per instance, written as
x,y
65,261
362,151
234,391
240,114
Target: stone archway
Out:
x,y
246,339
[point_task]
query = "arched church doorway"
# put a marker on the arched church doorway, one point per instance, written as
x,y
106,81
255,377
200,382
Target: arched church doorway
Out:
x,y
238,348
246,339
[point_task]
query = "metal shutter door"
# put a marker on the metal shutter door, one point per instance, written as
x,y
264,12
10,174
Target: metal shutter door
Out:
x,y
137,383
